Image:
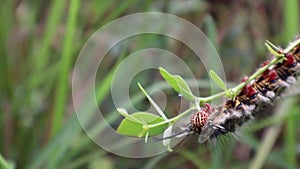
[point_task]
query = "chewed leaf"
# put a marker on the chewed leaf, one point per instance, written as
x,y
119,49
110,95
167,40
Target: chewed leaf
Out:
x,y
178,84
168,133
153,102
213,75
130,127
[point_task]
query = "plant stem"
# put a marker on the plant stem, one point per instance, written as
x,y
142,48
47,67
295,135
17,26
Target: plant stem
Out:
x,y
260,71
256,74
292,45
233,91
212,97
236,89
174,119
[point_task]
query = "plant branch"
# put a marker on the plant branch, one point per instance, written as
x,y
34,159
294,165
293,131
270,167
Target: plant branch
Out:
x,y
234,91
174,119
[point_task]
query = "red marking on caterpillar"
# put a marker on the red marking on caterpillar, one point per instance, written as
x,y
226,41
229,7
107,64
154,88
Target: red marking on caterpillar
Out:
x,y
272,76
290,60
265,63
245,79
266,72
249,90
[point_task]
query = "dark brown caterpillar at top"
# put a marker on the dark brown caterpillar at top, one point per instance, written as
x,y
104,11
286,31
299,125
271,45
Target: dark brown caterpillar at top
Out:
x,y
251,99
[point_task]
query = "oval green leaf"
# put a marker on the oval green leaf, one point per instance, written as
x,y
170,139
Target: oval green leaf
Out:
x,y
178,84
133,128
213,75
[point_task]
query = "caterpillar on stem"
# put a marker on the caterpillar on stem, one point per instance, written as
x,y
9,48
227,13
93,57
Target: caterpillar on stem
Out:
x,y
244,102
255,95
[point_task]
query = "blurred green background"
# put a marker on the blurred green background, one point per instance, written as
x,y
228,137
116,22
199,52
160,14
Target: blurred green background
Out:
x,y
40,41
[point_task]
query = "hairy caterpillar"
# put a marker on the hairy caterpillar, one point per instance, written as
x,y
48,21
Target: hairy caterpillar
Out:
x,y
212,122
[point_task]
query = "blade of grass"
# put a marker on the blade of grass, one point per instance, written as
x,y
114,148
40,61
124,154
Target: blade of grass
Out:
x,y
291,19
153,161
211,29
6,17
118,11
97,12
290,139
41,56
59,145
195,159
102,90
216,161
291,28
65,63
269,140
100,7
6,83
84,159
275,159
63,86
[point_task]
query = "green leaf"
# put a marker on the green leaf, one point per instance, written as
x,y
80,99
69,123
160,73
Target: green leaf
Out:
x,y
178,84
213,75
133,128
157,108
